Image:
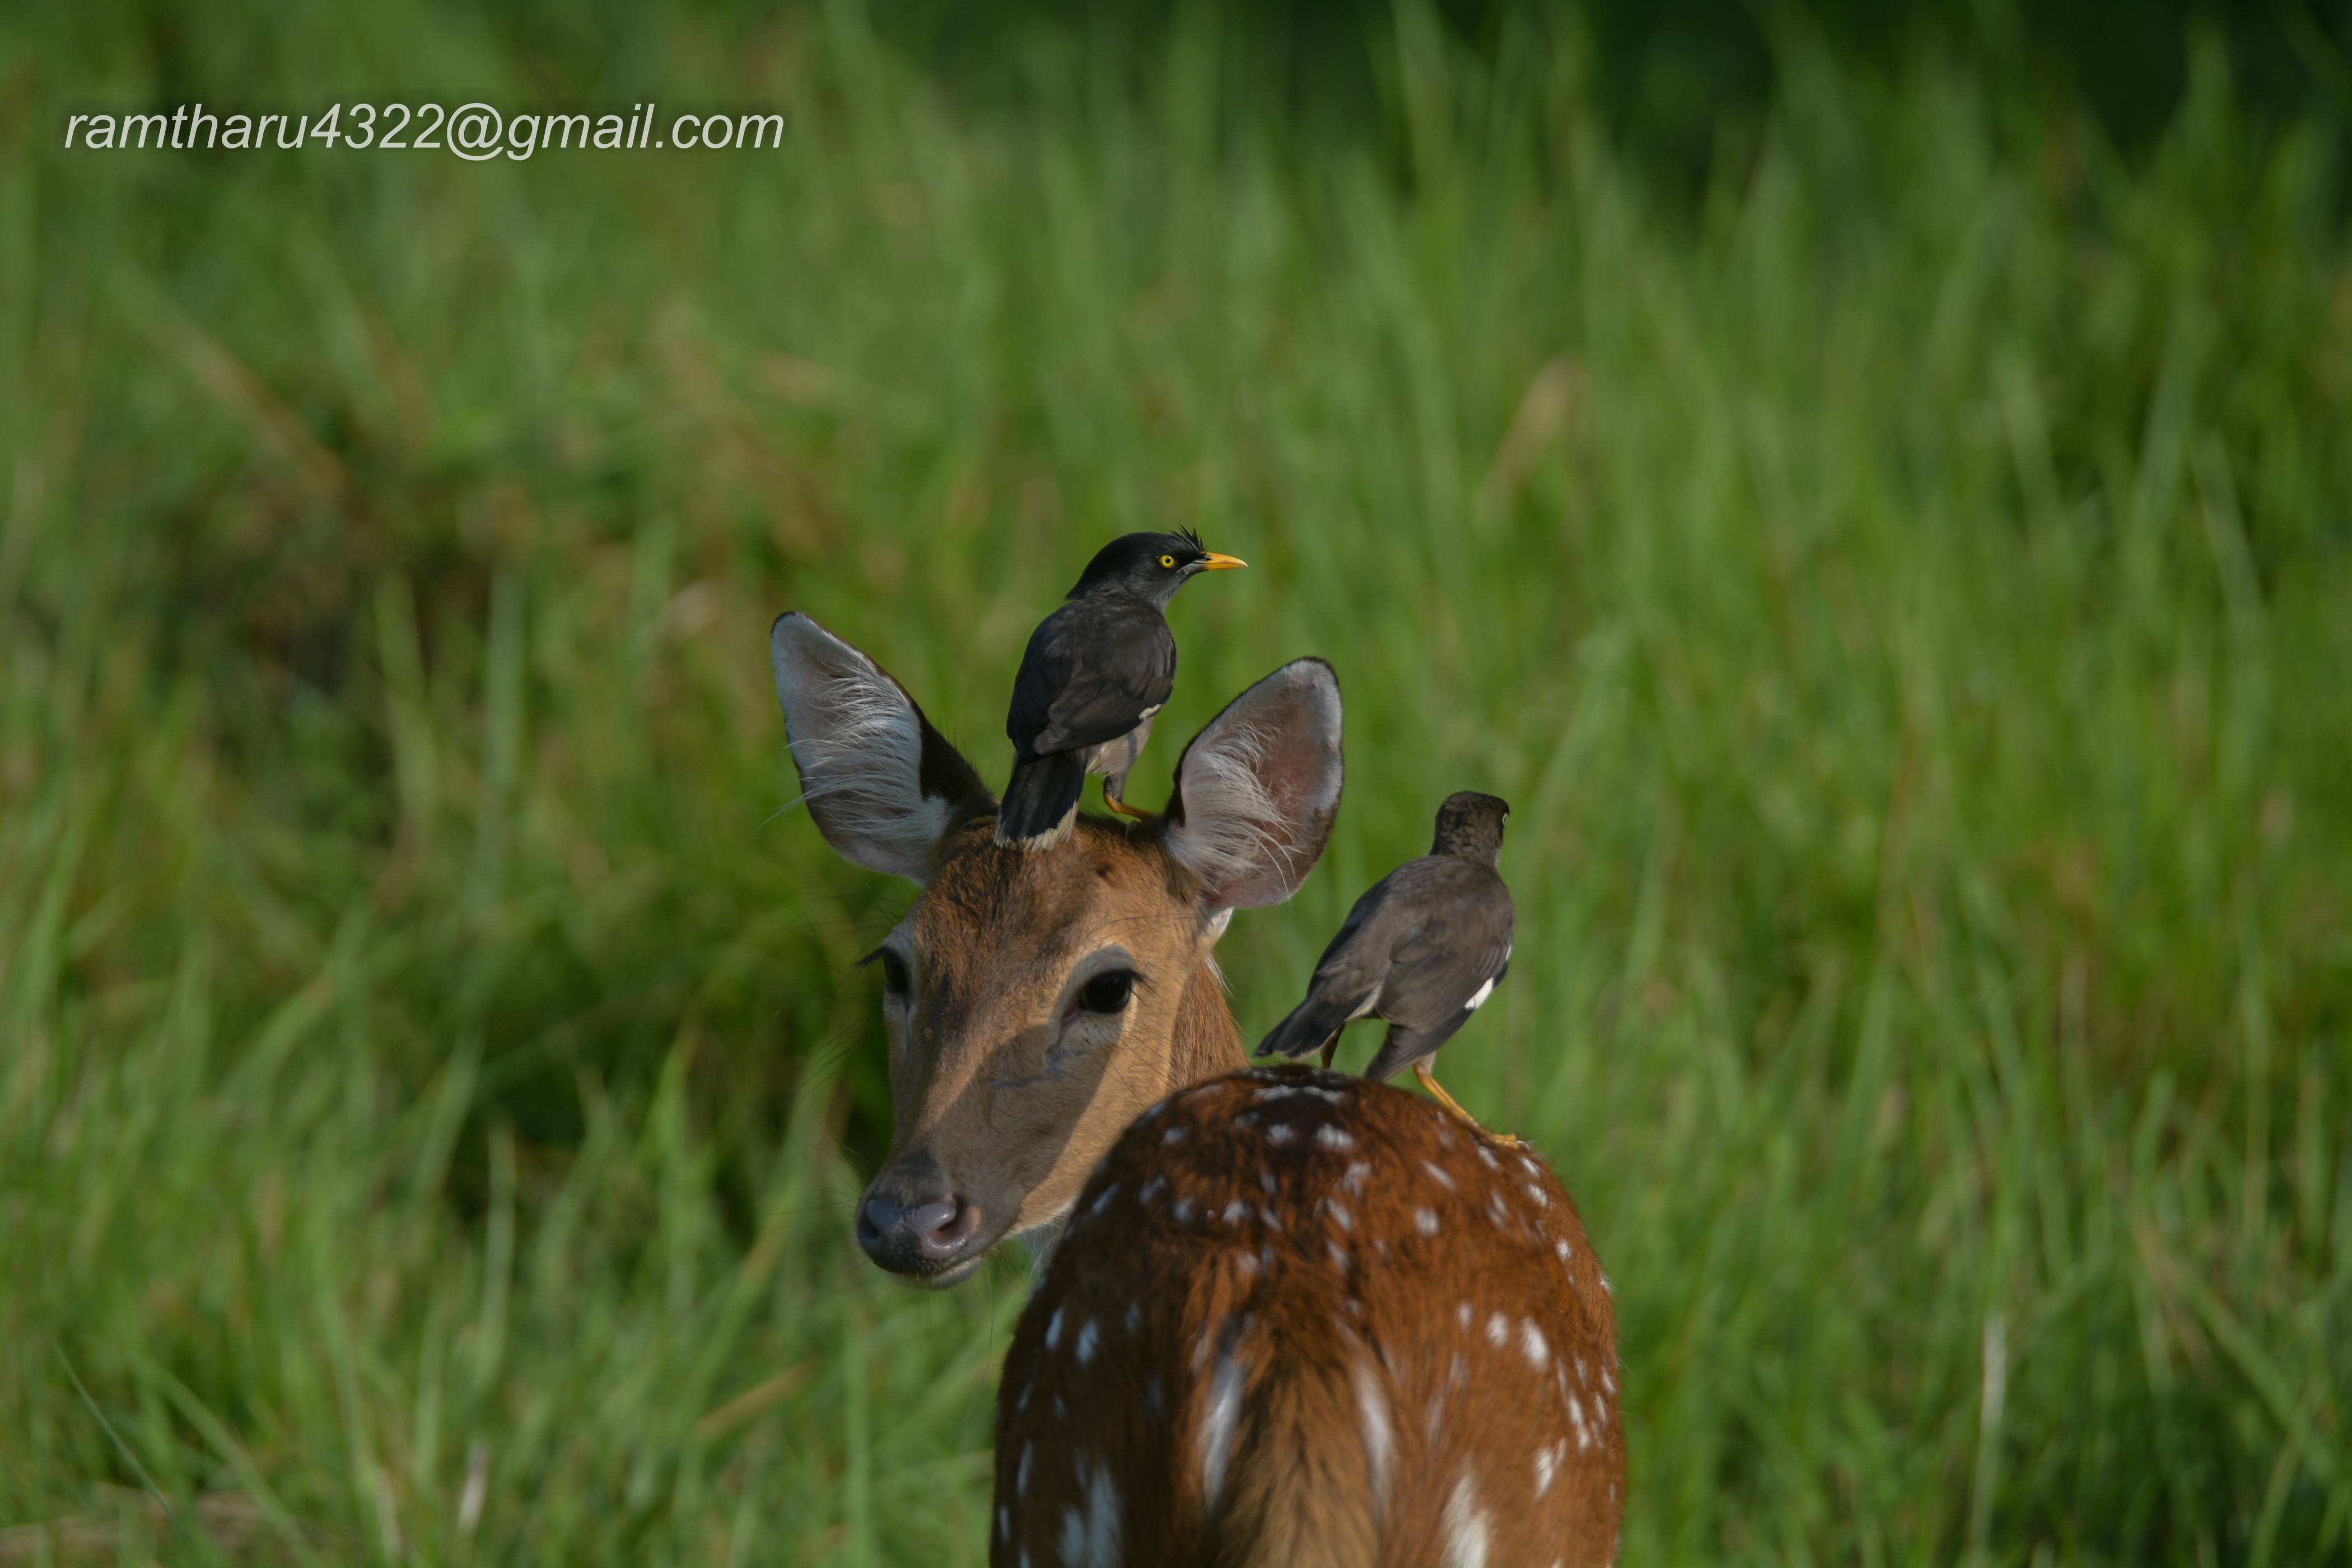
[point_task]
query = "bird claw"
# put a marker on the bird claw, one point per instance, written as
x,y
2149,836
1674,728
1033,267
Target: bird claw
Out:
x,y
1124,809
1437,1092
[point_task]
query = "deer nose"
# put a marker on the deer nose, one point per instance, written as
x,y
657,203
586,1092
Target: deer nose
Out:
x,y
916,1233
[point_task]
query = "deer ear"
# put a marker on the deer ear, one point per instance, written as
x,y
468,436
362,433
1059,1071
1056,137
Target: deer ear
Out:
x,y
1257,789
885,787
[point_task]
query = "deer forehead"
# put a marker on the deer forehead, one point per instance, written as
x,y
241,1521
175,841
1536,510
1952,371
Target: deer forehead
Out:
x,y
990,901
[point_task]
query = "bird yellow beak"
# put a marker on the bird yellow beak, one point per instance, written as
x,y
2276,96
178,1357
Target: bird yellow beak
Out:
x,y
1212,562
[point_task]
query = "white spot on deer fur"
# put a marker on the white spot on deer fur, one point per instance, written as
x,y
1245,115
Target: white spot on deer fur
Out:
x,y
1332,1137
1532,1168
1339,1212
1532,1345
1174,1135
1438,1173
1183,1210
1537,1193
1134,1316
1247,1263
1497,1210
1477,996
1498,1328
1379,1436
1217,1428
1091,1540
1465,1527
1425,1221
1279,1091
1354,1177
1266,1180
1605,1285
1562,1247
1088,1337
1053,1329
1235,1212
1338,1255
1608,1382
1546,1463
1152,1189
1280,1132
1273,1220
1489,1155
1103,1201
1461,1316
1020,1471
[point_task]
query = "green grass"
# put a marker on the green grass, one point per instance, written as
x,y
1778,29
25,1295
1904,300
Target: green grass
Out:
x,y
1903,591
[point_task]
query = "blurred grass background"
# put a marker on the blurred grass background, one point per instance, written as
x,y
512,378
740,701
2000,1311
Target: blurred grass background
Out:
x,y
1874,497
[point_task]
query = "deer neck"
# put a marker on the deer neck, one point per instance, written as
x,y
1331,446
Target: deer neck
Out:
x,y
1206,1043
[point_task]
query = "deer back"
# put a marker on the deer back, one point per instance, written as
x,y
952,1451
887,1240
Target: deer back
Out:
x,y
1302,1318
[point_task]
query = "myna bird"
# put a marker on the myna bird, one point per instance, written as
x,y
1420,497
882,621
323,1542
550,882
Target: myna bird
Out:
x,y
1095,671
1420,951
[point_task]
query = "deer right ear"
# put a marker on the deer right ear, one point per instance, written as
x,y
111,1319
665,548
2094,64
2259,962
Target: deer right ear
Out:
x,y
885,787
1259,787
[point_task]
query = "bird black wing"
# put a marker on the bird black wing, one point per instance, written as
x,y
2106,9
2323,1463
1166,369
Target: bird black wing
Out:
x,y
1092,671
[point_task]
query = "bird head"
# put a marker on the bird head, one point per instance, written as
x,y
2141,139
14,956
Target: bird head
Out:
x,y
1151,566
1471,825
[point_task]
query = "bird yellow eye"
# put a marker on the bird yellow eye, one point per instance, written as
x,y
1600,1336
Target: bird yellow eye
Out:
x,y
1168,562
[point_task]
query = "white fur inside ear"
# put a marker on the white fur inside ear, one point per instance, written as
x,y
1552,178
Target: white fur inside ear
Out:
x,y
1260,786
859,749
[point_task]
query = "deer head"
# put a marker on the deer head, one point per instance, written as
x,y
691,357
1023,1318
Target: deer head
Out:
x,y
1038,1000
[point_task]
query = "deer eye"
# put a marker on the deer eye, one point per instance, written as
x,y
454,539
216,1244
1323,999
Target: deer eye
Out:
x,y
1108,992
895,978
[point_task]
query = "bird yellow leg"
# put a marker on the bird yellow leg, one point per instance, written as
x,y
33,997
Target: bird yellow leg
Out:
x,y
1330,1049
1437,1092
1119,805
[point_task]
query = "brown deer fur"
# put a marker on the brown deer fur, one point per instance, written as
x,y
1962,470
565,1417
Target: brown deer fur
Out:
x,y
1301,1318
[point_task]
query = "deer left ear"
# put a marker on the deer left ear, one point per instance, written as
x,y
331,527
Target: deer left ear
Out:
x,y
1257,789
885,787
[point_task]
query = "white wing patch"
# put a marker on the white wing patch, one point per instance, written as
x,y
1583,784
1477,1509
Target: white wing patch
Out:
x,y
1477,996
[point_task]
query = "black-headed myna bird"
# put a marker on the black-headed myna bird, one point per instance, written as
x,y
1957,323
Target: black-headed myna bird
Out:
x,y
1420,949
1095,671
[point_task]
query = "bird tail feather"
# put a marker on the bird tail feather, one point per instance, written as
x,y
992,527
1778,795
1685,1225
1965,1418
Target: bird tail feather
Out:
x,y
1041,799
1310,1024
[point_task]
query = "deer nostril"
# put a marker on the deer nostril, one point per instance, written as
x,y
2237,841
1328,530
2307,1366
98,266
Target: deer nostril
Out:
x,y
877,1218
942,1226
906,1238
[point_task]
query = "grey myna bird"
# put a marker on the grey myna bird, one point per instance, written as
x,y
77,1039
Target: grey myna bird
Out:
x,y
1420,949
1095,671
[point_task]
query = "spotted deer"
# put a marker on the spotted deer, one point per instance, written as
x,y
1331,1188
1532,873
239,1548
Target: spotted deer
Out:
x,y
1280,1316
